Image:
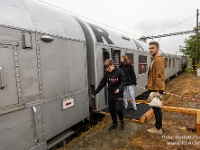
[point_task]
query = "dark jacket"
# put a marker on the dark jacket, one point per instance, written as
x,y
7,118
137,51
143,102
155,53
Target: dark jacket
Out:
x,y
156,77
115,80
129,74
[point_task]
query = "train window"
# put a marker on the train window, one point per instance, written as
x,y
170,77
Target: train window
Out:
x,y
116,58
142,64
170,62
166,62
130,58
106,55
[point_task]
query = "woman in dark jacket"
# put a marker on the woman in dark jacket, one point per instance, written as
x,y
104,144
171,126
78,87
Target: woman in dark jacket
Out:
x,y
130,77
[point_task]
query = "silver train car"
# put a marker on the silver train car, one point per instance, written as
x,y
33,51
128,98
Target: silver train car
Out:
x,y
43,68
50,63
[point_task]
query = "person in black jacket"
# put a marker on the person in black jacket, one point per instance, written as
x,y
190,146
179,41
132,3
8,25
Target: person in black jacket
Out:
x,y
115,79
130,77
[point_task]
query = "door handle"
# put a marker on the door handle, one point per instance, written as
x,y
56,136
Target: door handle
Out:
x,y
36,124
1,78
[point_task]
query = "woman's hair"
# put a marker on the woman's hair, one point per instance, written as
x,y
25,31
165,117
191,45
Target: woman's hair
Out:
x,y
108,63
126,61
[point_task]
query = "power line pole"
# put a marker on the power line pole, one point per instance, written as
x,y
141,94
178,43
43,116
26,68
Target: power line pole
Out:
x,y
197,38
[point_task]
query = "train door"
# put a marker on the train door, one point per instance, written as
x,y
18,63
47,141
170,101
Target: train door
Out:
x,y
106,55
9,74
115,54
19,125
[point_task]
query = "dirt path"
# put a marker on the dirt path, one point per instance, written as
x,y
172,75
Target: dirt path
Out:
x,y
135,137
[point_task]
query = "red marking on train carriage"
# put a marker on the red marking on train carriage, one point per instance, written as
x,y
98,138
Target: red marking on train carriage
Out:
x,y
68,103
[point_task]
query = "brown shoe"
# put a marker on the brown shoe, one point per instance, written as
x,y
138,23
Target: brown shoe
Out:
x,y
154,130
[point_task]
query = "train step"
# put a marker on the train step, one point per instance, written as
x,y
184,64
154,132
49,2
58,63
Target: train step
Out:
x,y
144,112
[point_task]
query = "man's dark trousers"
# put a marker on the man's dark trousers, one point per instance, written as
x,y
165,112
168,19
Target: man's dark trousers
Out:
x,y
116,107
158,115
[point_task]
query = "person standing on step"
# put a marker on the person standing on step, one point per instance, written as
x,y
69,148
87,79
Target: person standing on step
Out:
x,y
156,83
130,77
115,79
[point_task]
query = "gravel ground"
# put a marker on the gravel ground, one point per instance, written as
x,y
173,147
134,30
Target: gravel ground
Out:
x,y
135,137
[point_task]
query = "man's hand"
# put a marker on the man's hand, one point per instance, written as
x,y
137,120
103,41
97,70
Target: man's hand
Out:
x,y
117,91
93,96
156,94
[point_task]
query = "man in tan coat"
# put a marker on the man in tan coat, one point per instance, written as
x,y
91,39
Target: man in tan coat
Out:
x,y
156,83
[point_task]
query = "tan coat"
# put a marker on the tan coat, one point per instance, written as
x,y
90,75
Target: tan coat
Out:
x,y
156,79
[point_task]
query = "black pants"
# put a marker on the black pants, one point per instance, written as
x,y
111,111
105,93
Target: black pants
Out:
x,y
116,108
158,115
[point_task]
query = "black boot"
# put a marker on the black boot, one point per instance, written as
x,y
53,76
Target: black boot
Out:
x,y
122,124
113,126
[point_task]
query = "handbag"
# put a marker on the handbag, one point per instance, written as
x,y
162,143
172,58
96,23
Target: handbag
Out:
x,y
155,101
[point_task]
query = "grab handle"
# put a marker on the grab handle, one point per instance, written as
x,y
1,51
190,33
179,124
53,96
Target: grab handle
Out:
x,y
36,124
1,78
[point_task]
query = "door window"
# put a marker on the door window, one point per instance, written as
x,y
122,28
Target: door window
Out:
x,y
116,58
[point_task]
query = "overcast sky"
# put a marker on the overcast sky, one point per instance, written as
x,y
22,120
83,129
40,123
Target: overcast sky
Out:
x,y
140,17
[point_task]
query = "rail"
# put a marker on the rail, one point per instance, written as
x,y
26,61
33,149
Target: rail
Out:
x,y
36,124
1,78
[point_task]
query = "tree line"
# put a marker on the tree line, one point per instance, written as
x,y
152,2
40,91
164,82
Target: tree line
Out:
x,y
190,47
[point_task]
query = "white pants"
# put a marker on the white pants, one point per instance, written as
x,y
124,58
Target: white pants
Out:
x,y
129,89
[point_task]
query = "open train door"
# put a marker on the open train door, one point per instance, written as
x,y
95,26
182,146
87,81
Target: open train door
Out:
x,y
106,55
115,56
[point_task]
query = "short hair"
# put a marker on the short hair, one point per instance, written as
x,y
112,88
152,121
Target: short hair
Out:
x,y
154,43
108,62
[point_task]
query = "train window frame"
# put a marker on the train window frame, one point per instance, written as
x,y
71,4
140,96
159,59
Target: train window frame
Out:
x,y
166,62
173,61
115,58
129,58
106,55
142,64
170,62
